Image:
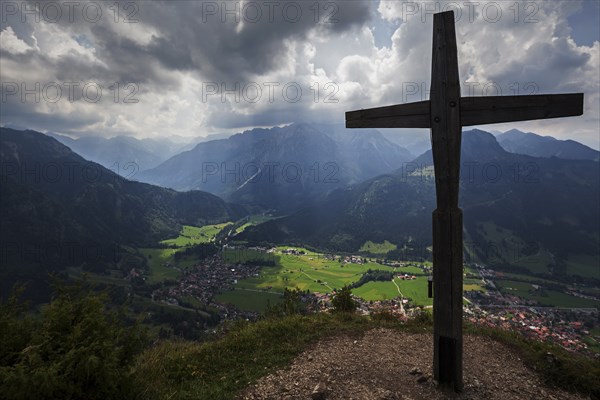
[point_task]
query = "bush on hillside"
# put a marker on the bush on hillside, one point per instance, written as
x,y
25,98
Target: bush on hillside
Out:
x,y
78,348
343,302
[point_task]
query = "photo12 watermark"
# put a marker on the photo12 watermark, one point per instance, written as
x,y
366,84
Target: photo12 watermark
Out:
x,y
65,172
271,92
420,91
55,12
252,12
269,172
470,11
475,172
70,91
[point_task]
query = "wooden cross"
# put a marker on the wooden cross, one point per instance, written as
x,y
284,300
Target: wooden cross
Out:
x,y
446,113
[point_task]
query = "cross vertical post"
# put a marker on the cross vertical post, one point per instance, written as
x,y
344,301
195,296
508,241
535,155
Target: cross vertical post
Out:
x,y
447,218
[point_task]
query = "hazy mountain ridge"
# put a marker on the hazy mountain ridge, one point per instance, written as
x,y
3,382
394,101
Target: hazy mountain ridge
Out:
x,y
414,140
283,167
124,155
513,141
531,144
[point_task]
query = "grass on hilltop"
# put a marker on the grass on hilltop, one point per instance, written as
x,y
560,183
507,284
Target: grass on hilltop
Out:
x,y
221,369
56,355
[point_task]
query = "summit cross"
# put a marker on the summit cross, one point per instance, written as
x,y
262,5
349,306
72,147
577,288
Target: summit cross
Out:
x,y
446,113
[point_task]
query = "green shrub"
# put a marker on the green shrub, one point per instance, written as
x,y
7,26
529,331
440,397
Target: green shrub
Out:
x,y
16,328
384,314
343,302
291,305
77,349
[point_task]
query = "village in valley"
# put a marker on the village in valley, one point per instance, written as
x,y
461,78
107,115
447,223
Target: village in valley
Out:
x,y
242,282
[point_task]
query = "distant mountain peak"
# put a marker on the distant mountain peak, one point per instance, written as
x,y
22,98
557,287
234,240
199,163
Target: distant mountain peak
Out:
x,y
300,162
477,145
532,144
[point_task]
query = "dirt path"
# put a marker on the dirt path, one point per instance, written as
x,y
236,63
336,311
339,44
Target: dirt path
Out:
x,y
401,296
378,367
313,279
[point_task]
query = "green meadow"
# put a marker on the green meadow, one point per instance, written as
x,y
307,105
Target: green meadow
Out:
x,y
253,220
545,297
191,235
161,261
158,261
579,264
410,270
312,271
416,290
377,291
249,300
377,248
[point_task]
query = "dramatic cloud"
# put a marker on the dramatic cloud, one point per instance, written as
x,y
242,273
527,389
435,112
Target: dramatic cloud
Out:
x,y
192,68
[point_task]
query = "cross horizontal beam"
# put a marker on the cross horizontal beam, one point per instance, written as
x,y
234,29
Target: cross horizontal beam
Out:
x,y
410,115
498,109
474,111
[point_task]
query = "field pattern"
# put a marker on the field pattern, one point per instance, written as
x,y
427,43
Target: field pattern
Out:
x,y
317,273
309,271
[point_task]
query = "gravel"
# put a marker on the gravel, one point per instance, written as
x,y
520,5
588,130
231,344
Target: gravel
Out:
x,y
388,365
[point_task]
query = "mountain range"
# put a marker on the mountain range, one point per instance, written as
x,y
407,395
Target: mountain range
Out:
x,y
58,209
531,144
282,168
341,188
516,208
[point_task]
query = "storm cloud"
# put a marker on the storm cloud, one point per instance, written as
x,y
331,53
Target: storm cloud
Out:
x,y
192,68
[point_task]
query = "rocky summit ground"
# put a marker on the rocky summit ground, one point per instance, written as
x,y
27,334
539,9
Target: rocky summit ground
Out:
x,y
387,365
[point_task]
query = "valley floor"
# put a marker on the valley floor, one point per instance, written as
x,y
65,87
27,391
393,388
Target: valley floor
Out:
x,y
242,282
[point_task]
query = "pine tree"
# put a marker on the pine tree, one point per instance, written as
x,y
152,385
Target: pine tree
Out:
x,y
343,301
